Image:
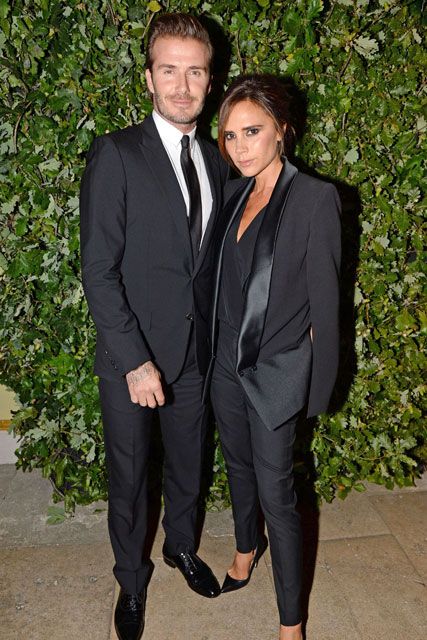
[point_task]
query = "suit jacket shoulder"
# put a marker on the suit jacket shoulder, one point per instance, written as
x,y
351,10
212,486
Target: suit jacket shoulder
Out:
x,y
127,136
309,188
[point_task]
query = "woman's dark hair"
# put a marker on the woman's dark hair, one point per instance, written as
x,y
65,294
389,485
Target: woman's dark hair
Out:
x,y
176,25
275,96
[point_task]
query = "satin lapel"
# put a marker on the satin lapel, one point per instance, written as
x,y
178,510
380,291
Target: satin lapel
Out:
x,y
234,204
164,175
258,290
212,169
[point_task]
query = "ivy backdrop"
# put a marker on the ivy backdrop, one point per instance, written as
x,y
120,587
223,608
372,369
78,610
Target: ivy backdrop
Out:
x,y
72,70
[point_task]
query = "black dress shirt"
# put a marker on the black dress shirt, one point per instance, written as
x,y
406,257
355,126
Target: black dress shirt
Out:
x,y
237,265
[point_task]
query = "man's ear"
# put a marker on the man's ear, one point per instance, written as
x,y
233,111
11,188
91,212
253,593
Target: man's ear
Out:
x,y
149,79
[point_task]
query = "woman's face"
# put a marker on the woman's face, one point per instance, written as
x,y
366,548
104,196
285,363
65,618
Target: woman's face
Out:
x,y
251,139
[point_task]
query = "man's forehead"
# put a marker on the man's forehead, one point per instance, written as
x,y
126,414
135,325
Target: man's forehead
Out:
x,y
165,45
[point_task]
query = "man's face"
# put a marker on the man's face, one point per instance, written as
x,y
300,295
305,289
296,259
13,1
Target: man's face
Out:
x,y
179,80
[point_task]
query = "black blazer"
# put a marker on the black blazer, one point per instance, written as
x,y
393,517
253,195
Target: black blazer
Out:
x,y
142,289
294,281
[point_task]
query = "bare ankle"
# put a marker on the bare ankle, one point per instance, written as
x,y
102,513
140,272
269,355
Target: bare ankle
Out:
x,y
241,565
291,633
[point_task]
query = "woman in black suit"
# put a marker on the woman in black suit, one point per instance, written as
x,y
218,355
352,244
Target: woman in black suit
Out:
x,y
275,329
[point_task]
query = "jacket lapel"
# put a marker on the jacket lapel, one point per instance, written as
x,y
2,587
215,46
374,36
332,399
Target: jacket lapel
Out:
x,y
163,173
258,289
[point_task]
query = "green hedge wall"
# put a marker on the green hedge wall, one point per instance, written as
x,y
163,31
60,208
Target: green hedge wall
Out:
x,y
72,70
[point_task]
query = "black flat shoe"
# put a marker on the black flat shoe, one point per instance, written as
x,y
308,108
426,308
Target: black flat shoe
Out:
x,y
198,575
231,584
129,616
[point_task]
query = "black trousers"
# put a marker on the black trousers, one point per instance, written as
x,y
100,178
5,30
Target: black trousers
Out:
x,y
127,429
260,471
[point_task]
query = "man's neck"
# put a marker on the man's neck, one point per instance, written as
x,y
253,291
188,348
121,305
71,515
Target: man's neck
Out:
x,y
185,129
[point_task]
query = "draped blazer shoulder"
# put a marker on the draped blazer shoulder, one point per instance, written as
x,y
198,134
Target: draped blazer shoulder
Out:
x,y
294,281
141,285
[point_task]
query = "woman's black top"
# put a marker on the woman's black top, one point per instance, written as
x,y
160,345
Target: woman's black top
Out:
x,y
236,267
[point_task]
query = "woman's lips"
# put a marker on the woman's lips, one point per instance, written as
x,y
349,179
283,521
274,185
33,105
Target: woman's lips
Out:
x,y
244,163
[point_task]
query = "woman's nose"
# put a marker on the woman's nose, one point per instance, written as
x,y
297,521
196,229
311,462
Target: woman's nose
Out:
x,y
241,144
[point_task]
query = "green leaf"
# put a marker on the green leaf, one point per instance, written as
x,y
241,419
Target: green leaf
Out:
x,y
367,47
314,8
405,321
351,156
4,9
56,515
154,6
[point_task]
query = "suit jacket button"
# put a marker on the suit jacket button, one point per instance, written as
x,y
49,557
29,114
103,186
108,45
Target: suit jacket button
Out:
x,y
106,353
190,317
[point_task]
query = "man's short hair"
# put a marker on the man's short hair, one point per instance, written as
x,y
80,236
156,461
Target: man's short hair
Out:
x,y
177,25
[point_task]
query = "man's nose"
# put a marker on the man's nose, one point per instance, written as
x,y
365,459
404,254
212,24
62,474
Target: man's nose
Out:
x,y
182,83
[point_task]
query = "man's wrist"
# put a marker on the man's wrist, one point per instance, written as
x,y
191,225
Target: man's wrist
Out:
x,y
143,371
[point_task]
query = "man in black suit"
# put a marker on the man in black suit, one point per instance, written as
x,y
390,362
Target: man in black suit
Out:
x,y
150,197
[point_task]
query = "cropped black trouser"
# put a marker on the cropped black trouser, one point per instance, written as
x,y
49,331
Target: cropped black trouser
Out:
x,y
127,428
260,471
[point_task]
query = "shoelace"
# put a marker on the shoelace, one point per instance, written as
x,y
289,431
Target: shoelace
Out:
x,y
189,563
131,603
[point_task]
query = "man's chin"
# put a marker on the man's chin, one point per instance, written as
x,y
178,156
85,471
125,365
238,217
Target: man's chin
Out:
x,y
180,117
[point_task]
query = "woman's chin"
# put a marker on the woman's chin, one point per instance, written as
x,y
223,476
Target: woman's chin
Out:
x,y
248,172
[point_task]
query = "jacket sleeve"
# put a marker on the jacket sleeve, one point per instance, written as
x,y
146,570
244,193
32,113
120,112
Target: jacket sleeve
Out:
x,y
102,236
323,266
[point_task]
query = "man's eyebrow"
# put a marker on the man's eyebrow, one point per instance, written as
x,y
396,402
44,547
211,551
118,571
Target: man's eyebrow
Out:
x,y
174,66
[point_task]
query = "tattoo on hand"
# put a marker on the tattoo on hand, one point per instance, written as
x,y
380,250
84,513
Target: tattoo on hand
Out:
x,y
142,372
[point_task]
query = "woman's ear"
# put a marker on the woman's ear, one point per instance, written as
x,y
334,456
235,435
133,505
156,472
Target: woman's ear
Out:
x,y
280,138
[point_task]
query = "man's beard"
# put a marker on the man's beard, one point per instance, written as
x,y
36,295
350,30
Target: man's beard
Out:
x,y
177,117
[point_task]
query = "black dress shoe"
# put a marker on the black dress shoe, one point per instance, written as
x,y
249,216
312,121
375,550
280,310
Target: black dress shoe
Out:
x,y
231,584
129,616
197,573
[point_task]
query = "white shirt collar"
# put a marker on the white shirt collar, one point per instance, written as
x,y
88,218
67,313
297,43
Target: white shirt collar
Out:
x,y
169,133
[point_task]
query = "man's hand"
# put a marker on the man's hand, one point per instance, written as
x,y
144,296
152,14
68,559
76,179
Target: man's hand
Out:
x,y
145,387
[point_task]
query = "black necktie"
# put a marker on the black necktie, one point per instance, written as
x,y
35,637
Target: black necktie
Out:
x,y
193,186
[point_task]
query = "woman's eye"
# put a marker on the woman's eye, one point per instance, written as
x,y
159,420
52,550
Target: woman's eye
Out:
x,y
229,136
252,132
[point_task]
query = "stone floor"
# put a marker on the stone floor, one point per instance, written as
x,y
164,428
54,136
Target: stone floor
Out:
x,y
365,572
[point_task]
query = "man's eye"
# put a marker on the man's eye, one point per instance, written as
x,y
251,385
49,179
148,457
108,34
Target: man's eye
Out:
x,y
195,72
252,132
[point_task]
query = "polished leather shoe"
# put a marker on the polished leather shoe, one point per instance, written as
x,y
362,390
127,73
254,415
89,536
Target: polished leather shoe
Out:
x,y
232,584
129,616
198,575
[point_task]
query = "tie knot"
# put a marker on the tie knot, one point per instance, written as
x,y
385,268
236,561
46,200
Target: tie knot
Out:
x,y
185,142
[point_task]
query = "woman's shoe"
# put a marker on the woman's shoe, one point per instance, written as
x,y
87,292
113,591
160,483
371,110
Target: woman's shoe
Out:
x,y
231,584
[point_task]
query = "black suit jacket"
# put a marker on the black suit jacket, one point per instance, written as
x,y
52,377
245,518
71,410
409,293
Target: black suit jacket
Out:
x,y
293,284
142,288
